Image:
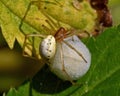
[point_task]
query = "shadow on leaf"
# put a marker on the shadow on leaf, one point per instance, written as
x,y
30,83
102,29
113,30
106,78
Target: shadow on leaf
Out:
x,y
47,82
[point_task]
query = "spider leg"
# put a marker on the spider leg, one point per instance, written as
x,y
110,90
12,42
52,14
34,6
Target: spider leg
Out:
x,y
75,51
54,25
63,67
26,12
30,46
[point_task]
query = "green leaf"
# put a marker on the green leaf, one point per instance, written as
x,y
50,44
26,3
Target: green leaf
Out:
x,y
79,15
103,78
8,24
13,92
12,12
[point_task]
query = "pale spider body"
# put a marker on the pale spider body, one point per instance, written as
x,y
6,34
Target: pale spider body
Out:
x,y
48,47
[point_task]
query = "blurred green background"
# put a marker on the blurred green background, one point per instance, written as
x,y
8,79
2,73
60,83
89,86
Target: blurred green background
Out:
x,y
115,10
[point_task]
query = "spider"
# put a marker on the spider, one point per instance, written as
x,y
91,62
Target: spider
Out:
x,y
48,47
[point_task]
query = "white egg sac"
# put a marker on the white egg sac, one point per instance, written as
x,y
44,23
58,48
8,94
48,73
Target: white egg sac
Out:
x,y
74,65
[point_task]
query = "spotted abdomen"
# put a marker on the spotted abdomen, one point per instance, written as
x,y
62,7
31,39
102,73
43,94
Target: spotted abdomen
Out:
x,y
48,47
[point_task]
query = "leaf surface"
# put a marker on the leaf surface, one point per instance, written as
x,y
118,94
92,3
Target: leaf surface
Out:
x,y
102,79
